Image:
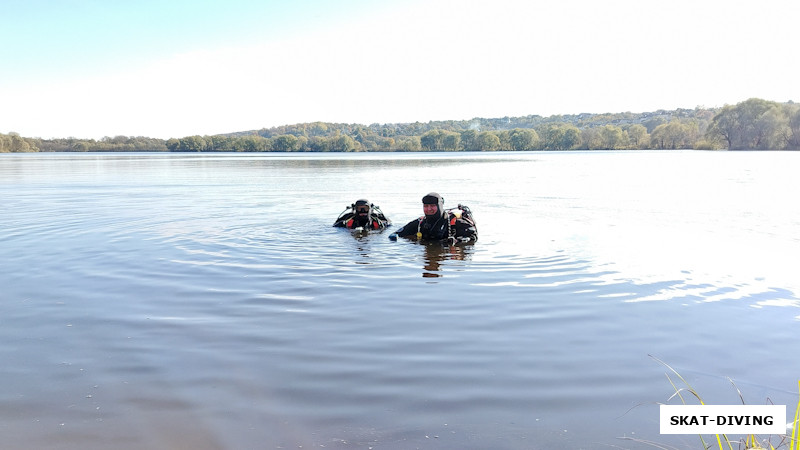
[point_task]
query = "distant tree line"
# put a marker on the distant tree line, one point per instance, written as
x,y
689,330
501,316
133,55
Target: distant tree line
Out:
x,y
754,124
14,143
757,124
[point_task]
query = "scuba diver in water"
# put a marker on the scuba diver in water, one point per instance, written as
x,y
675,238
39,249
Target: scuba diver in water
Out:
x,y
364,215
439,224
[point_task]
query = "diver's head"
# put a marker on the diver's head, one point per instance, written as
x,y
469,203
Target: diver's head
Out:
x,y
362,209
433,205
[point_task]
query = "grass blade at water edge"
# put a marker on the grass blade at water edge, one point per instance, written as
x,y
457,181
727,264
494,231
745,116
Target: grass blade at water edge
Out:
x,y
795,443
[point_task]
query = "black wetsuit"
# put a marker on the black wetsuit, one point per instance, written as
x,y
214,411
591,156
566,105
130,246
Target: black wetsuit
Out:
x,y
350,220
372,219
440,226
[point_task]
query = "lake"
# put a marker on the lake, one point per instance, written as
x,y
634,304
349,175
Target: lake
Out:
x,y
204,301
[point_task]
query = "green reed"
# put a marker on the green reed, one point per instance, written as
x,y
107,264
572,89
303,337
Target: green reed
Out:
x,y
751,442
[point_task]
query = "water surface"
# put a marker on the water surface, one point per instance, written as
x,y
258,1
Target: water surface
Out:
x,y
204,301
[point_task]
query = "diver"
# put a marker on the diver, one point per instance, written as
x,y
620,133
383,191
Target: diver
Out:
x,y
362,215
439,224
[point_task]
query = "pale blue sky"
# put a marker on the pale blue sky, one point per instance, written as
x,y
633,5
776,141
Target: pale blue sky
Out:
x,y
94,68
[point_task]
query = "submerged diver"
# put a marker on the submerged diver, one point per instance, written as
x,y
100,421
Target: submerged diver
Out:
x,y
439,224
362,214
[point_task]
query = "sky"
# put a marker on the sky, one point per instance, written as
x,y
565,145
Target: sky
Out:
x,y
176,68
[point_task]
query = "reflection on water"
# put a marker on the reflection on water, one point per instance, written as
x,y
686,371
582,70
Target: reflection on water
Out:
x,y
48,166
205,301
437,253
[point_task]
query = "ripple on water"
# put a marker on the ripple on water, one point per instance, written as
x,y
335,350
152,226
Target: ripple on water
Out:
x,y
214,290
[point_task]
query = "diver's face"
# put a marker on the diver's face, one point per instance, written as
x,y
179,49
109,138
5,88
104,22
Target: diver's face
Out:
x,y
362,211
430,209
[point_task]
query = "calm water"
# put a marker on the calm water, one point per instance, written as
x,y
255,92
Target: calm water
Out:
x,y
204,301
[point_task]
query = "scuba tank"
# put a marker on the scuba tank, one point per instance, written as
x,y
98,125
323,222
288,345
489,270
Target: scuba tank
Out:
x,y
464,214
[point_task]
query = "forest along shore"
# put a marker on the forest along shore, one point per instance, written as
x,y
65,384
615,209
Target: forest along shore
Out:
x,y
754,124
